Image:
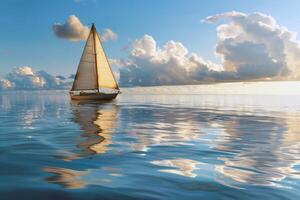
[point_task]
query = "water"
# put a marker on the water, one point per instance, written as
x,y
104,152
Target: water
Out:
x,y
151,143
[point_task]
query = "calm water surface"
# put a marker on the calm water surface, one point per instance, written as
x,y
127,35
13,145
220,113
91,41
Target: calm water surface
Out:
x,y
149,146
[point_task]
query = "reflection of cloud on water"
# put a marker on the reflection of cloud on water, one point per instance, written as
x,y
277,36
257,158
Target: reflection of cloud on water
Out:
x,y
5,103
183,167
179,133
266,150
163,127
292,134
29,110
291,147
258,150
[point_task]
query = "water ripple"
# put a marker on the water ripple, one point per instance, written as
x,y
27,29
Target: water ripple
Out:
x,y
148,148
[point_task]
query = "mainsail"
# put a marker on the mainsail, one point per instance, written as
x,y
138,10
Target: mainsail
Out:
x,y
94,71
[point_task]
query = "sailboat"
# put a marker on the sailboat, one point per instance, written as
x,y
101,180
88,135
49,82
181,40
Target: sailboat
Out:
x,y
94,79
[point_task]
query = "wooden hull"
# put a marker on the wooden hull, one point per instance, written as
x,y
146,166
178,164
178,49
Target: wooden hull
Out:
x,y
94,97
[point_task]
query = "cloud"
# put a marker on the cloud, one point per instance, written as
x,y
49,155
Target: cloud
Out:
x,y
255,46
72,76
150,64
108,34
72,29
250,46
60,77
24,78
5,84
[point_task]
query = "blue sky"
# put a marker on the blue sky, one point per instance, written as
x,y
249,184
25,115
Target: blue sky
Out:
x,y
27,37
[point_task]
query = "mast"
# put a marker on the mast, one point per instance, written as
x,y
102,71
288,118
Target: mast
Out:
x,y
94,38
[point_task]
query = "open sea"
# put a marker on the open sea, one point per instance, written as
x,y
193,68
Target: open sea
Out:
x,y
222,141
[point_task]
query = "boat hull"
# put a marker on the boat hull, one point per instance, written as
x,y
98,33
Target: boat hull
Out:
x,y
94,97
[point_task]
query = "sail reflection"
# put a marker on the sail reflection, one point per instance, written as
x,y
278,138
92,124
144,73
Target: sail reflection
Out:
x,y
77,179
68,178
97,124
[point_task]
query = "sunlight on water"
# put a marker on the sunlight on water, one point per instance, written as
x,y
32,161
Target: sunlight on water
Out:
x,y
249,88
153,143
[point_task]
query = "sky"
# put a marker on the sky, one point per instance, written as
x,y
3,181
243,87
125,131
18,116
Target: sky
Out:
x,y
28,37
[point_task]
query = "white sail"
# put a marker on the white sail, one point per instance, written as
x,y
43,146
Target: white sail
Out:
x,y
86,76
94,71
106,77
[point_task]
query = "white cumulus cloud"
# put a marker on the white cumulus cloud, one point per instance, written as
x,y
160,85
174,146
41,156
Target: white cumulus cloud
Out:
x,y
250,47
72,29
5,84
150,64
255,46
25,78
108,34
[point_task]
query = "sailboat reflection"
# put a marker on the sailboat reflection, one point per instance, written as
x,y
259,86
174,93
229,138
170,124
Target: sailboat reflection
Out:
x,y
66,177
97,123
